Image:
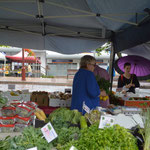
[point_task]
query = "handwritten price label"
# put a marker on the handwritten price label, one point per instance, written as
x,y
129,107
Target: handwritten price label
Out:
x,y
49,132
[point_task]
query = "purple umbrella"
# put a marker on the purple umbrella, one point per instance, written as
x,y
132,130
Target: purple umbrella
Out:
x,y
139,66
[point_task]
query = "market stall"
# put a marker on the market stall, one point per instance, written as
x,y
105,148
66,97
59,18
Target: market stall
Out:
x,y
29,58
103,128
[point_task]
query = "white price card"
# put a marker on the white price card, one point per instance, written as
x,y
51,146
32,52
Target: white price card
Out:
x,y
34,148
106,121
49,132
86,108
73,148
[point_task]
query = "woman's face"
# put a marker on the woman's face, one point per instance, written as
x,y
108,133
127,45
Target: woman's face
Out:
x,y
127,69
91,66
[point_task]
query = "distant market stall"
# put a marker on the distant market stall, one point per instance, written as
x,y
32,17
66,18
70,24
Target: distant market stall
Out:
x,y
27,58
24,56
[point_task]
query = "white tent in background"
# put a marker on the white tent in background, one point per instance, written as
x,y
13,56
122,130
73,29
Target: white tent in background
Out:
x,y
3,58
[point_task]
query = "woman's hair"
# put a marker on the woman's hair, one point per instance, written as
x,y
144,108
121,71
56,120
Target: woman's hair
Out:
x,y
127,64
86,60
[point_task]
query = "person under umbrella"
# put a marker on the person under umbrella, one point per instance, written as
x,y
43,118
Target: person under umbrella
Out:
x,y
128,81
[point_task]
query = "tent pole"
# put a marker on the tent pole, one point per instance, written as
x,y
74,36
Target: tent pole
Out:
x,y
23,68
111,65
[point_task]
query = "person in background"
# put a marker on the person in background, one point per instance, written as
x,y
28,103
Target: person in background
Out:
x,y
29,71
102,73
85,87
128,81
114,73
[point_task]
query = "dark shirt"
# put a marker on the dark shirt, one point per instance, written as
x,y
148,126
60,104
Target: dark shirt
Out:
x,y
124,81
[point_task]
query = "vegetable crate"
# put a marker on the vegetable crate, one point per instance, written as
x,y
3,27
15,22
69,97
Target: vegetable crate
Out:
x,y
60,103
135,103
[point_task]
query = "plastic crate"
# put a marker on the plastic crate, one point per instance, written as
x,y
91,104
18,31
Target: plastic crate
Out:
x,y
135,103
60,103
25,97
55,102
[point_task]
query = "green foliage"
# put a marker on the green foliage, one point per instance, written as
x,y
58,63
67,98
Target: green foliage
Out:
x,y
30,138
3,101
146,131
103,84
66,135
63,117
103,48
112,138
45,76
5,46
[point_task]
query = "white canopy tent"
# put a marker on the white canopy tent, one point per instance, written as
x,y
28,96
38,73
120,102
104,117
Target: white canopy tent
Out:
x,y
3,58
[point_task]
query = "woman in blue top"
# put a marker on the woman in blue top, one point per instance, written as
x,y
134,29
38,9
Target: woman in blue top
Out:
x,y
85,87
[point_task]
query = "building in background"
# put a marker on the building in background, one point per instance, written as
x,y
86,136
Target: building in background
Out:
x,y
56,64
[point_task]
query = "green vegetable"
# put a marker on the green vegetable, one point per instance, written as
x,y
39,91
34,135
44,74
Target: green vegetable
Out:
x,y
146,131
63,117
111,138
93,116
3,101
76,117
83,122
30,138
103,84
66,135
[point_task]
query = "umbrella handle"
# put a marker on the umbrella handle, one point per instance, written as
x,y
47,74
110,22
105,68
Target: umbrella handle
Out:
x,y
131,78
133,73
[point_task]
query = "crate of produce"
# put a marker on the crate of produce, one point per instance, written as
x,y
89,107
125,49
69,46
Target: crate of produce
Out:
x,y
59,99
13,95
25,97
55,102
65,103
135,102
60,103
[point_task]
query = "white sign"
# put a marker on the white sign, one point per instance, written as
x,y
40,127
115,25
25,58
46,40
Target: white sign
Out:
x,y
34,148
73,148
106,121
86,108
49,132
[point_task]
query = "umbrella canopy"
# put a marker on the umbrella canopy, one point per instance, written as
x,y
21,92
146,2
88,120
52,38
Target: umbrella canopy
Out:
x,y
27,59
139,66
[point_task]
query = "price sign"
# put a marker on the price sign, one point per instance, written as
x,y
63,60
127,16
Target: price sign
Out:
x,y
106,121
49,132
34,148
86,108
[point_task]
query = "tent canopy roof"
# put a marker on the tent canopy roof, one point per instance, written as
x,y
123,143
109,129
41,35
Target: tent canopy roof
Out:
x,y
74,26
27,59
2,57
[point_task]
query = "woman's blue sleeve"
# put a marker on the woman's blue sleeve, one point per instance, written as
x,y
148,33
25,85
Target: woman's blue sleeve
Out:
x,y
93,89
